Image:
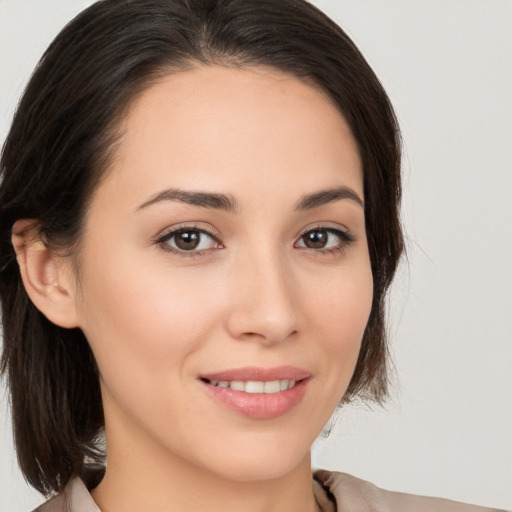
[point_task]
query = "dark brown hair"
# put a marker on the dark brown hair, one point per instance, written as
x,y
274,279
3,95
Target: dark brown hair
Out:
x,y
59,144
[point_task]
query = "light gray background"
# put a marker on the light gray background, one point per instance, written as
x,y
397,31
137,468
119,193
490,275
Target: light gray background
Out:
x,y
447,67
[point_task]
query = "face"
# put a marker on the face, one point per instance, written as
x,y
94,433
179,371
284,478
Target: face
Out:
x,y
225,281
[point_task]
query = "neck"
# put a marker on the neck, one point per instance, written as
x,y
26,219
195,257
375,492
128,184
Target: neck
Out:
x,y
142,476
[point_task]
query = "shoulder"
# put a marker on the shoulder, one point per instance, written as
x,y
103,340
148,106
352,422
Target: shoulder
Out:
x,y
74,498
55,504
353,494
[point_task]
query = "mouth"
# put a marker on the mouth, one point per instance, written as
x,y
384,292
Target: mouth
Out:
x,y
254,386
258,393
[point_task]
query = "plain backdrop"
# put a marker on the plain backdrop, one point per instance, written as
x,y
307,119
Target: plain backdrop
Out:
x,y
446,65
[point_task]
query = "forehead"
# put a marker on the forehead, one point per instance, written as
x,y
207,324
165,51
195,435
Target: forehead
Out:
x,y
213,127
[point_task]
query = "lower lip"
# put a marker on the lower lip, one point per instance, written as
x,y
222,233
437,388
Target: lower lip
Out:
x,y
259,406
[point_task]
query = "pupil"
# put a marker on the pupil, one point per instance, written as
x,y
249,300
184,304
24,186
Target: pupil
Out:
x,y
187,240
316,239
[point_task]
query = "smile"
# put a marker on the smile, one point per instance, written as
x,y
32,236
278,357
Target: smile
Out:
x,y
258,393
254,386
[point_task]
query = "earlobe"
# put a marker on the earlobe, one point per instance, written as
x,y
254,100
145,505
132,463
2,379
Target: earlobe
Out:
x,y
46,275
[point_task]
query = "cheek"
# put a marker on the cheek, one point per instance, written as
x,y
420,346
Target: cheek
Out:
x,y
342,305
338,317
143,325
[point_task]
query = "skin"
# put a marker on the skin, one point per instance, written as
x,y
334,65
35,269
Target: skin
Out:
x,y
256,295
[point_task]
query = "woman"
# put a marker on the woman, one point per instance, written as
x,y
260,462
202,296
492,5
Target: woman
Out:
x,y
192,193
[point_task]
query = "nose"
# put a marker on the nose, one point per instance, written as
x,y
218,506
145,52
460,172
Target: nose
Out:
x,y
264,306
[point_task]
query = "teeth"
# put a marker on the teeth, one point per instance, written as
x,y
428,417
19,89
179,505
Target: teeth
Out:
x,y
273,386
254,386
237,385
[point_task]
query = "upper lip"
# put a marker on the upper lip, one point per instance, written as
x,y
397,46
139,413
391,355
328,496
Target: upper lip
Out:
x,y
253,373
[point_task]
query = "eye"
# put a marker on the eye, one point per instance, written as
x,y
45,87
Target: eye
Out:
x,y
325,239
188,240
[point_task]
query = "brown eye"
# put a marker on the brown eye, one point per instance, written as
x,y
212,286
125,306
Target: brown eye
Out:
x,y
325,239
316,239
188,240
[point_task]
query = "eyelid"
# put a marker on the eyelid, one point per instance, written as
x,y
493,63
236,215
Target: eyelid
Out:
x,y
327,227
183,226
165,235
345,236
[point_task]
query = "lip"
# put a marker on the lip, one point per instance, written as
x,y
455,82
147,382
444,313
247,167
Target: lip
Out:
x,y
258,406
259,374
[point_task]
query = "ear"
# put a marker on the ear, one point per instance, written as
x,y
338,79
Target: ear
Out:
x,y
47,277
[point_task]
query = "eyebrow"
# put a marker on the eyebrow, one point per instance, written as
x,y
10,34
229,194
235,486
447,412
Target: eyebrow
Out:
x,y
204,199
228,203
323,197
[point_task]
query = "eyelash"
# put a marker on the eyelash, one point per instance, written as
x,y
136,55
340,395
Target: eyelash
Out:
x,y
163,240
344,237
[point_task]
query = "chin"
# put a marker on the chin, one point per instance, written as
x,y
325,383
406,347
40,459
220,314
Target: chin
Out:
x,y
253,465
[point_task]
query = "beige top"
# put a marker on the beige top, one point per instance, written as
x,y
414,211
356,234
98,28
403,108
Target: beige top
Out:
x,y
334,492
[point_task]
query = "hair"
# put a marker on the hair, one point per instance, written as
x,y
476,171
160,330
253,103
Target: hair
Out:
x,y
61,140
